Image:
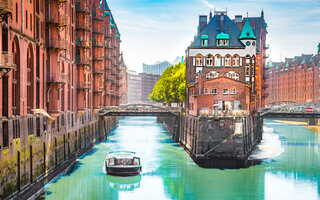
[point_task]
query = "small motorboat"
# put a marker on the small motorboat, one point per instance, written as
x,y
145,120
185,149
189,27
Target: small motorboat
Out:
x,y
125,163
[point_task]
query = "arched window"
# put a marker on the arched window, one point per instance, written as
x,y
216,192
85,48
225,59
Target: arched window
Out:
x,y
236,61
212,75
233,75
209,61
199,60
227,61
16,78
30,78
17,12
217,60
247,69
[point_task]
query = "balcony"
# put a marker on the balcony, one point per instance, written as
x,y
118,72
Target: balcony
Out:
x,y
82,60
97,16
97,70
97,57
56,43
58,78
98,89
84,85
82,44
82,7
59,20
5,7
98,29
83,26
96,43
6,63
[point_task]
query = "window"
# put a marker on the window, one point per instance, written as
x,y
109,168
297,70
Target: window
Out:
x,y
17,12
217,60
247,71
204,42
225,91
30,22
232,75
209,61
248,59
206,91
236,61
199,60
26,19
214,91
222,43
233,91
227,61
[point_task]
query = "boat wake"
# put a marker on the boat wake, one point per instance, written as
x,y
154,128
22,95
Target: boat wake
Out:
x,y
269,147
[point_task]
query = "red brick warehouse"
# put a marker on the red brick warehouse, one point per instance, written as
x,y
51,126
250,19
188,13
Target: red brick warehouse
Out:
x,y
59,65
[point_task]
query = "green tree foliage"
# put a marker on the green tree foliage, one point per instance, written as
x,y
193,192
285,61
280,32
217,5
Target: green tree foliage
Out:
x,y
171,87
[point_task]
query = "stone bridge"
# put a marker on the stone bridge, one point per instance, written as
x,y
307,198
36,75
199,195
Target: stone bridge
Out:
x,y
139,109
309,111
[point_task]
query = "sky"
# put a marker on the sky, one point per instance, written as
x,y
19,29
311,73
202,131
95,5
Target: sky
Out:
x,y
158,30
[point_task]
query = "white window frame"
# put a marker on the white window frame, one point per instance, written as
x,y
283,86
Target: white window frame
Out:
x,y
233,91
236,60
214,91
199,60
225,91
209,61
217,60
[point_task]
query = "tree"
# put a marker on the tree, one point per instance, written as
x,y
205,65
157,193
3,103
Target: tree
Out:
x,y
171,87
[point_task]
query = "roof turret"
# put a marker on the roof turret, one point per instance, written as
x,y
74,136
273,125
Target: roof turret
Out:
x,y
303,62
247,32
319,48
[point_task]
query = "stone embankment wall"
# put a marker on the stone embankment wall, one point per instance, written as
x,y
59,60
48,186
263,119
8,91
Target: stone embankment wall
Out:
x,y
221,142
36,159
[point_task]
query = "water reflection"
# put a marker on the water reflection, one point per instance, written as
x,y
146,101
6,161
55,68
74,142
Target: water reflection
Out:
x,y
290,168
124,183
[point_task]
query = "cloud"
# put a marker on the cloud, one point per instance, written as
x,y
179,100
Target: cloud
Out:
x,y
207,3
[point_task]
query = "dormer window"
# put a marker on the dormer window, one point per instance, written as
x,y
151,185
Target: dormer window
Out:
x,y
222,40
204,40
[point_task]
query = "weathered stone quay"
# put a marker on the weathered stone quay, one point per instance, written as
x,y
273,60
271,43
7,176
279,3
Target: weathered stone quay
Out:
x,y
216,142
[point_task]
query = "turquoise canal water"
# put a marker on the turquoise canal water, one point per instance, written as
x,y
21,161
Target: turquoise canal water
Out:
x,y
291,169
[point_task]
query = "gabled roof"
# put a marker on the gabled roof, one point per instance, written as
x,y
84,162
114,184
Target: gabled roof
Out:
x,y
215,27
247,32
224,77
104,5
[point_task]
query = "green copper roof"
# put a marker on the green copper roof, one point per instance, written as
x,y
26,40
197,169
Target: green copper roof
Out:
x,y
319,48
287,65
222,36
247,32
304,61
294,60
117,36
113,26
277,67
311,60
204,37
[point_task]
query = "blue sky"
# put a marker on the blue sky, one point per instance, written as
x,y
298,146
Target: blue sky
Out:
x,y
157,30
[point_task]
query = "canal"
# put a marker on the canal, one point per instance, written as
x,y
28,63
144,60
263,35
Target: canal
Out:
x,y
290,170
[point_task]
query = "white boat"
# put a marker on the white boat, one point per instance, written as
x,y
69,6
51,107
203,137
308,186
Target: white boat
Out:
x,y
122,163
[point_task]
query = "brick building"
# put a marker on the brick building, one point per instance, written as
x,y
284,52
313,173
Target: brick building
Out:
x,y
133,87
295,80
148,81
59,64
225,64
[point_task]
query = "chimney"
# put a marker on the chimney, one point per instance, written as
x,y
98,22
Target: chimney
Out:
x,y
202,22
210,16
238,21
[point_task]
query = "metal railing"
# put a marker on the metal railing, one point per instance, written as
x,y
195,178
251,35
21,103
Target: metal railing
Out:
x,y
57,43
58,77
82,60
83,25
97,43
6,59
98,70
83,44
84,85
6,5
82,7
58,19
97,15
98,29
